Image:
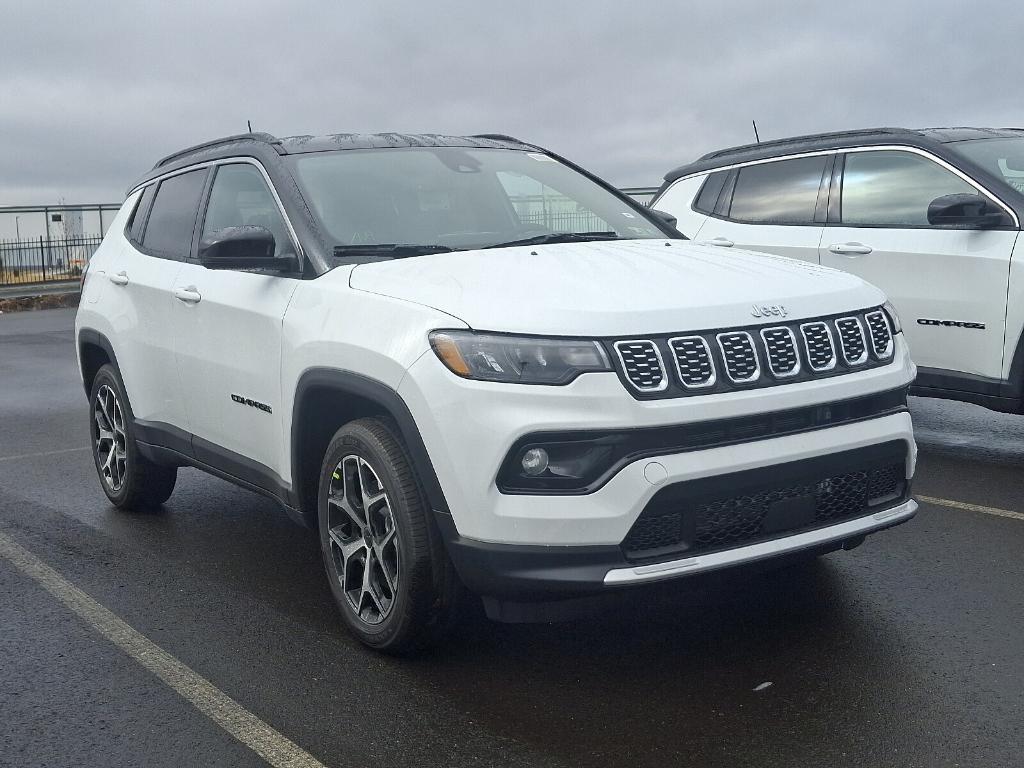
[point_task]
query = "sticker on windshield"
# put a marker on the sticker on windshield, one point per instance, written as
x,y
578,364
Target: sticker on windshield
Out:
x,y
628,215
539,156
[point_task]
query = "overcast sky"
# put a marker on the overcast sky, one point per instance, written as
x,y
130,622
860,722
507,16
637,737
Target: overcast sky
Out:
x,y
94,93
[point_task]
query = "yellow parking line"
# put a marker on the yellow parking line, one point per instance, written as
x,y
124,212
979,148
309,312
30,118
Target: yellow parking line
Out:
x,y
262,739
41,454
970,507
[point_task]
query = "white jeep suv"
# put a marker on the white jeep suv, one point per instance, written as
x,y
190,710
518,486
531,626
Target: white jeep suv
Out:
x,y
468,362
932,217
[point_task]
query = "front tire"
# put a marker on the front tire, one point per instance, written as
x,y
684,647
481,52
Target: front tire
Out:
x,y
390,577
128,478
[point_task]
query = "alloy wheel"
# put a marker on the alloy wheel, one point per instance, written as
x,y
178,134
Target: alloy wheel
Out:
x,y
363,539
110,437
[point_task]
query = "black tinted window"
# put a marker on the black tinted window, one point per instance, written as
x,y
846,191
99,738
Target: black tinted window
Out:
x,y
783,192
173,218
709,192
138,222
893,189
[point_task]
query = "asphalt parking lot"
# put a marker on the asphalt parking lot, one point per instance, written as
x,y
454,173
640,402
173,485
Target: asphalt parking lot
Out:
x,y
905,652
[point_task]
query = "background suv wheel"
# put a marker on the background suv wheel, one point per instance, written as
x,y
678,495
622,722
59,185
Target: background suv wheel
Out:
x,y
392,580
129,479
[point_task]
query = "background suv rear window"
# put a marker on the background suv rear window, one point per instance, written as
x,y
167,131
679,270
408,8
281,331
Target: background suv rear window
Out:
x,y
783,192
709,193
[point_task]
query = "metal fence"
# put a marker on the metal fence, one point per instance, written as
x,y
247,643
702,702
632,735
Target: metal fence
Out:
x,y
43,260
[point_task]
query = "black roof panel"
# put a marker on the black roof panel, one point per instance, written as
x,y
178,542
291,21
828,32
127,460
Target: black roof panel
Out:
x,y
923,137
257,144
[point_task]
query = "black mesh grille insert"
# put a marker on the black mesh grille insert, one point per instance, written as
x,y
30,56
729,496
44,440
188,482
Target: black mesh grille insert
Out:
x,y
881,336
851,340
774,353
783,358
675,525
739,355
642,364
821,355
693,361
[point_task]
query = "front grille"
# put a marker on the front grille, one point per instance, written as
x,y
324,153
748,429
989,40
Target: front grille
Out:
x,y
680,521
881,336
693,361
821,353
642,363
740,357
728,359
783,358
851,340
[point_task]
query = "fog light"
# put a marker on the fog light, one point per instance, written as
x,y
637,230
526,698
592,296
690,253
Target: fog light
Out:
x,y
535,461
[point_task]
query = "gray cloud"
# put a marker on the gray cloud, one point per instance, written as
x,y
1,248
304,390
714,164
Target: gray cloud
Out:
x,y
94,93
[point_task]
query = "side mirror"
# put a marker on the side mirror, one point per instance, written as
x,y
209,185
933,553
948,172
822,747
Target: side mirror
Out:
x,y
965,211
245,247
664,218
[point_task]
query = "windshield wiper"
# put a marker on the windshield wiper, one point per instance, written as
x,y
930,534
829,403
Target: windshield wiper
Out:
x,y
558,237
390,250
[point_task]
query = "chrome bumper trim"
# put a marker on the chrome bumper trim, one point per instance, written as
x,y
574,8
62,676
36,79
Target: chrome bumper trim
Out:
x,y
763,549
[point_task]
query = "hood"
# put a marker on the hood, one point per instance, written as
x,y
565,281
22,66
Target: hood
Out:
x,y
614,288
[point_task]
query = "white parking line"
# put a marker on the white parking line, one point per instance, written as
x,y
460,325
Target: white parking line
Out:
x,y
970,507
262,739
41,454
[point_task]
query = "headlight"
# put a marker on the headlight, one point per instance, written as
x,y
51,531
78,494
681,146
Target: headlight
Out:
x,y
894,317
517,359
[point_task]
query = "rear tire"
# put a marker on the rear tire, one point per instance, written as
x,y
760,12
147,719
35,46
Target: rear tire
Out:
x,y
391,578
128,478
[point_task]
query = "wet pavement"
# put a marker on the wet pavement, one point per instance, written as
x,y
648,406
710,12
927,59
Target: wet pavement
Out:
x,y
905,652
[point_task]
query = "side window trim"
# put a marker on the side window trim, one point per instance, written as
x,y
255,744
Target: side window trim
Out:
x,y
824,187
204,203
965,177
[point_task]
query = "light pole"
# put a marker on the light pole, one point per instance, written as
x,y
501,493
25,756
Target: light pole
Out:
x,y
17,232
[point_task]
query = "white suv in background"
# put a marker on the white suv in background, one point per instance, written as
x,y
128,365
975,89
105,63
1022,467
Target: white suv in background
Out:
x,y
932,217
466,361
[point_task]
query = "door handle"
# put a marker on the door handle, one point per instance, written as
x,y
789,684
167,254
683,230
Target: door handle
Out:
x,y
121,278
189,295
850,249
722,242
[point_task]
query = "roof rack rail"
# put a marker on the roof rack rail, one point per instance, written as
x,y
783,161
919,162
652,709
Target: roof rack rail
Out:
x,y
499,137
805,138
265,138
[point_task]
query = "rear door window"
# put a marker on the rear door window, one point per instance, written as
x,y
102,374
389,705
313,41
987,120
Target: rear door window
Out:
x,y
172,220
780,192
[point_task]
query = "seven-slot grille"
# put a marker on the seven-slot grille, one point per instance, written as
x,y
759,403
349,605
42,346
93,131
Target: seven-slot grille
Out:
x,y
693,361
881,336
757,356
821,352
642,363
740,357
851,340
783,357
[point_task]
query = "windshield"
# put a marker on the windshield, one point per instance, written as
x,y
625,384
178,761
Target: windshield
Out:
x,y
445,198
1003,158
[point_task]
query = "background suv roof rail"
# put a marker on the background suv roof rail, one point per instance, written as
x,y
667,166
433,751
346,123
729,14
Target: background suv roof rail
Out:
x,y
264,138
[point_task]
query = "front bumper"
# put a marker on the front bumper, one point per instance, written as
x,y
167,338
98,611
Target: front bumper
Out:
x,y
531,572
539,545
